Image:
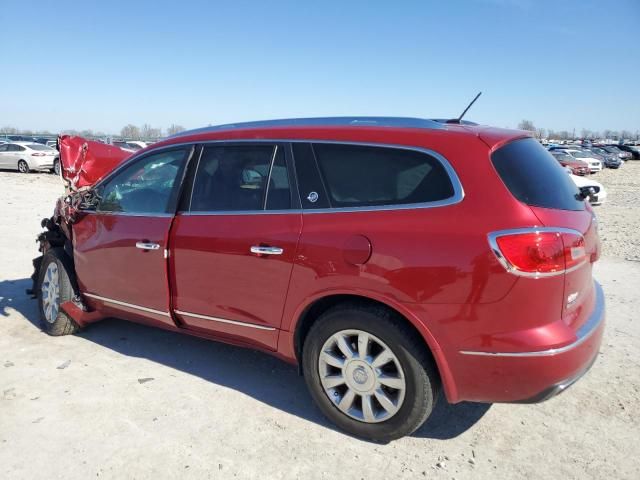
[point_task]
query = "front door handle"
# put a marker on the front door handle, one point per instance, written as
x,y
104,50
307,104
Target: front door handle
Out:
x,y
262,250
147,246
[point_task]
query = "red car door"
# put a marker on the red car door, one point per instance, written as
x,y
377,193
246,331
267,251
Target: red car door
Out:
x,y
119,249
232,250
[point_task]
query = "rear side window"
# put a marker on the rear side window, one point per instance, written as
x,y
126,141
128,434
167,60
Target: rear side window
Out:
x,y
359,176
534,177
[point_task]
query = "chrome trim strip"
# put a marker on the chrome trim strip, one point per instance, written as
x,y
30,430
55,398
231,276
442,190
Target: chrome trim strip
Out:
x,y
582,334
241,212
125,304
129,214
493,236
458,190
223,320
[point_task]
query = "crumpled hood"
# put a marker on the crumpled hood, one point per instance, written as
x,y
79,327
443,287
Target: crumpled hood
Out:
x,y
84,162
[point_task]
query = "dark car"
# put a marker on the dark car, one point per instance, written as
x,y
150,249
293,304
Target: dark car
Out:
x,y
611,160
391,258
633,150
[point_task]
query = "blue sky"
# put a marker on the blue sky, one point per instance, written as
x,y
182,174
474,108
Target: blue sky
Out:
x,y
102,64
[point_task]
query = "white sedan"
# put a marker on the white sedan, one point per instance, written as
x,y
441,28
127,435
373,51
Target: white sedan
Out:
x,y
595,165
598,195
27,156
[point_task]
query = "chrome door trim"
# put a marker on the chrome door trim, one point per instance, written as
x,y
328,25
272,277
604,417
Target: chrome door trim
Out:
x,y
458,190
223,320
125,304
582,334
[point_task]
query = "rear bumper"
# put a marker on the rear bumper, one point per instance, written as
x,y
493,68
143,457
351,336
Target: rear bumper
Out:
x,y
530,376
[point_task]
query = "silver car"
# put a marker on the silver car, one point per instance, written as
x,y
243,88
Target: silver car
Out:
x,y
27,156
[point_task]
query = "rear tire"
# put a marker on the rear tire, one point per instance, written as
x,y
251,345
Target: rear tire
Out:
x,y
54,289
23,167
56,167
376,401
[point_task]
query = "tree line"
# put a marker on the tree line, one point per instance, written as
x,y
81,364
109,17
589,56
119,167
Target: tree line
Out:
x,y
584,133
128,132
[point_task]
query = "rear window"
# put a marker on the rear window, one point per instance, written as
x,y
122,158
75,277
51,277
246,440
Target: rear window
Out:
x,y
38,146
359,176
534,177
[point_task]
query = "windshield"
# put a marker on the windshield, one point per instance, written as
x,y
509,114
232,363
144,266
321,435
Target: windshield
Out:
x,y
562,156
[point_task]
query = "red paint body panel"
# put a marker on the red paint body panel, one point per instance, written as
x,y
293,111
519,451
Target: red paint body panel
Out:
x,y
106,244
215,274
84,162
434,266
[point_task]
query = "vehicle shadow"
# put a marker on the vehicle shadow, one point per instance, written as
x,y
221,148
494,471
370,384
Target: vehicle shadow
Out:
x,y
253,373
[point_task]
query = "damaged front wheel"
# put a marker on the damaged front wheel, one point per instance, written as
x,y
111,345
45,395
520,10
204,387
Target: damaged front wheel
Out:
x,y
54,289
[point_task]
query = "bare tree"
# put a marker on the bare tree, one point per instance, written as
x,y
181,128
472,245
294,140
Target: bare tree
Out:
x,y
541,133
130,131
149,133
527,125
173,129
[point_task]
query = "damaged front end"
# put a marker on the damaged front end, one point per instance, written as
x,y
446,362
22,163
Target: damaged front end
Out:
x,y
83,163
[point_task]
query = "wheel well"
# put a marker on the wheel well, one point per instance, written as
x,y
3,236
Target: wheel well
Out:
x,y
313,312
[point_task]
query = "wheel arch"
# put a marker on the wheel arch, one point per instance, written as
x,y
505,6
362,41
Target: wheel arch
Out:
x,y
316,307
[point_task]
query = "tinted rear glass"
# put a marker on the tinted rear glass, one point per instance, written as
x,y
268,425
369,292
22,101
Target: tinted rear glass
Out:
x,y
534,177
358,176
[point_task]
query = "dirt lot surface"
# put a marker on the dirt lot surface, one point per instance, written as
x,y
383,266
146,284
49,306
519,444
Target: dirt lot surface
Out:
x,y
125,401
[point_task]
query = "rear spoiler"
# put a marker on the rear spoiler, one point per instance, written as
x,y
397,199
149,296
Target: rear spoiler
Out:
x,y
83,162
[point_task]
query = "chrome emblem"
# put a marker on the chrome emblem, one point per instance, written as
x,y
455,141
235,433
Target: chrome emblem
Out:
x,y
360,376
313,197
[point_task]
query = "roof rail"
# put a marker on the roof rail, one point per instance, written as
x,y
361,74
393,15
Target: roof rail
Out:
x,y
397,122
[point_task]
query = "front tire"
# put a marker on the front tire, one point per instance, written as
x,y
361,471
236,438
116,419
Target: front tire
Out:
x,y
54,289
368,373
23,167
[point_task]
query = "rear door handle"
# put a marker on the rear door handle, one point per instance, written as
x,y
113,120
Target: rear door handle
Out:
x,y
262,250
147,246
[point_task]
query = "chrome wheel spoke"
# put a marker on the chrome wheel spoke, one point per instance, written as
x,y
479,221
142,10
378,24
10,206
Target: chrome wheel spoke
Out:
x,y
385,401
392,382
367,409
333,381
383,358
344,347
330,359
363,344
347,400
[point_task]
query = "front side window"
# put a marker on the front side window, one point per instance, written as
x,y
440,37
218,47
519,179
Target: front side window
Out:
x,y
241,178
357,176
148,185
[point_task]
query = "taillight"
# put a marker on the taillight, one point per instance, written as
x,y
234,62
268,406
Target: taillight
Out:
x,y
37,154
539,252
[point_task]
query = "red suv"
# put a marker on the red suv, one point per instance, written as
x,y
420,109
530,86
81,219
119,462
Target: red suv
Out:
x,y
387,257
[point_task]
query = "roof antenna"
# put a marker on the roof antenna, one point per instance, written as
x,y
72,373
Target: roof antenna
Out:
x,y
459,119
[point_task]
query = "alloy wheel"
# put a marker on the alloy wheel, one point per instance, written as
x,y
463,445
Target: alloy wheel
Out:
x,y
51,293
361,376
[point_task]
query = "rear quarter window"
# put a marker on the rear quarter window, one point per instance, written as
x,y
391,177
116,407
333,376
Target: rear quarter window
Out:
x,y
534,177
360,176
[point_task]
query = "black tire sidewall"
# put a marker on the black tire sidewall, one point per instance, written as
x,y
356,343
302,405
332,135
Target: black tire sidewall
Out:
x,y
62,323
421,381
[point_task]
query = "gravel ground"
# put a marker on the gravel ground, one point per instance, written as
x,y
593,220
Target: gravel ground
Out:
x,y
619,217
121,400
